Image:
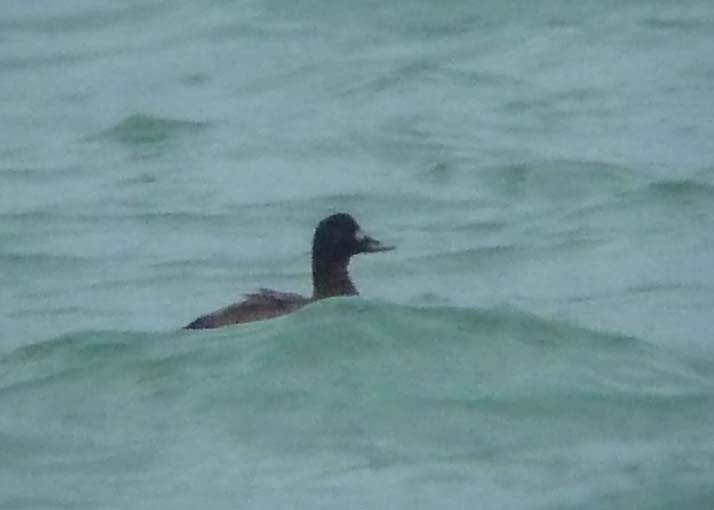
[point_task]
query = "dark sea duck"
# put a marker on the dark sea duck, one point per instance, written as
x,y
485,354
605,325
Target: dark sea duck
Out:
x,y
337,238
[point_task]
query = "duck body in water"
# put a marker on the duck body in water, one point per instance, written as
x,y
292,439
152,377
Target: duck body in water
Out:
x,y
337,238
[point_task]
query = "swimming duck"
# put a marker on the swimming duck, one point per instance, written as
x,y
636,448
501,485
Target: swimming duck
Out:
x,y
337,238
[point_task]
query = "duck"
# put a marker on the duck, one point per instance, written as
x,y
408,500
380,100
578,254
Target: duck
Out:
x,y
337,239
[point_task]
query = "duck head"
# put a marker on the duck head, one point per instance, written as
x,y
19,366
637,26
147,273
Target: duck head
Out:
x,y
337,238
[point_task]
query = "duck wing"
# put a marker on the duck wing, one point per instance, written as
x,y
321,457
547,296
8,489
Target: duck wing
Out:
x,y
261,305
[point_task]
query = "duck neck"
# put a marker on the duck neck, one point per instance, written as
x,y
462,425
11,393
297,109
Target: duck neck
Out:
x,y
331,279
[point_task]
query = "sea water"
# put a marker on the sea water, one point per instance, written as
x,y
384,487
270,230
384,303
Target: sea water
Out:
x,y
540,339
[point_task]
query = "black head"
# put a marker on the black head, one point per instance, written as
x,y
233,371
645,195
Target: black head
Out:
x,y
339,236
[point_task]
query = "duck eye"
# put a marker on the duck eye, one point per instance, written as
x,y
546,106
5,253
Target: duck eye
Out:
x,y
360,235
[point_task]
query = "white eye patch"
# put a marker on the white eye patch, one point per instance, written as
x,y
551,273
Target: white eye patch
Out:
x,y
360,235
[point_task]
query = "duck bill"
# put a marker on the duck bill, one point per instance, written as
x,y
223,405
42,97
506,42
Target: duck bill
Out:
x,y
370,245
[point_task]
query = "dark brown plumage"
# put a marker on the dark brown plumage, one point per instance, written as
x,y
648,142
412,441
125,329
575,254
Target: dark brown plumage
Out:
x,y
337,238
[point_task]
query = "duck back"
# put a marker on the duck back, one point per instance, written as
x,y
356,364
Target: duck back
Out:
x,y
264,304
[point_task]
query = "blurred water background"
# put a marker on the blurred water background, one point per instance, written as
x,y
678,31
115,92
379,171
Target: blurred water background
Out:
x,y
541,339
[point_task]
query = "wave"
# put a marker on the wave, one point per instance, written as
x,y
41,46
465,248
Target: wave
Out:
x,y
557,179
336,329
142,129
15,263
677,190
678,196
678,24
339,371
